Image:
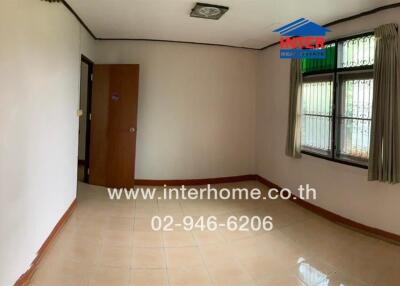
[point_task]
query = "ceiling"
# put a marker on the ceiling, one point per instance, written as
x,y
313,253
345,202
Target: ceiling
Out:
x,y
248,23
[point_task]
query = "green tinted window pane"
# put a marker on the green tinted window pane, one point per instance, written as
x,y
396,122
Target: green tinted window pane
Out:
x,y
312,65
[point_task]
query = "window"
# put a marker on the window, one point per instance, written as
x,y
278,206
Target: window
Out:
x,y
337,101
355,116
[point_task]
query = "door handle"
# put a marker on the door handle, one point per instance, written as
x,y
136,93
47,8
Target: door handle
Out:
x,y
132,130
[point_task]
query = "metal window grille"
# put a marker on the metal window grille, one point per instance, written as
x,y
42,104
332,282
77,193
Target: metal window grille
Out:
x,y
357,52
355,117
317,115
337,101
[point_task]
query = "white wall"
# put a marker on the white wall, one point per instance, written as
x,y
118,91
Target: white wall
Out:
x,y
87,44
197,119
39,97
341,189
196,108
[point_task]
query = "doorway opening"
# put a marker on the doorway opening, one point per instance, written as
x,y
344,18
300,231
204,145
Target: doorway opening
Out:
x,y
85,104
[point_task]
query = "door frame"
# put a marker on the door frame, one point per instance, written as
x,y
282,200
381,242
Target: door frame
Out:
x,y
90,64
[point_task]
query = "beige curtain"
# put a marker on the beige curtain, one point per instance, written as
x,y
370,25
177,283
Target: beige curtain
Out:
x,y
293,143
384,157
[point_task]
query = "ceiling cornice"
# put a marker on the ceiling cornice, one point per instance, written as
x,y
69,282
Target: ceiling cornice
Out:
x,y
79,19
362,14
359,15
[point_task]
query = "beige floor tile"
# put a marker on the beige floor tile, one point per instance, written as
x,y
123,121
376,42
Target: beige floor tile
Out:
x,y
115,256
263,266
340,279
208,237
217,254
78,251
179,239
117,238
388,278
122,210
183,257
196,276
120,224
169,207
364,261
229,235
146,209
111,243
88,221
147,239
106,276
83,231
230,274
142,224
148,258
282,280
149,277
173,211
63,274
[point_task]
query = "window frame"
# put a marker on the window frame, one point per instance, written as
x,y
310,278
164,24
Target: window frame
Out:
x,y
336,73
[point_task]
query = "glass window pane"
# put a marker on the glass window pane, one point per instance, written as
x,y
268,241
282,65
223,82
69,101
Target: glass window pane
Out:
x,y
316,133
312,65
355,138
356,52
316,121
355,118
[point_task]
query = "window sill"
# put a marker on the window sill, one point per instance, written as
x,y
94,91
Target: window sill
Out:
x,y
328,158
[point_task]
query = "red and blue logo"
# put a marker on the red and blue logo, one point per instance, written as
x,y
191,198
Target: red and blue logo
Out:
x,y
302,39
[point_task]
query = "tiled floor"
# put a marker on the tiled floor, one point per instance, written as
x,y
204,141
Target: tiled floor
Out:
x,y
109,243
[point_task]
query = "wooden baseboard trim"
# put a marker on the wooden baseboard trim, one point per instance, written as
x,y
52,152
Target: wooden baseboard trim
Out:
x,y
27,276
195,182
365,229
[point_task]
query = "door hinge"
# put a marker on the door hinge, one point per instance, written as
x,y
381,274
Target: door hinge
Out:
x,y
91,77
88,171
90,116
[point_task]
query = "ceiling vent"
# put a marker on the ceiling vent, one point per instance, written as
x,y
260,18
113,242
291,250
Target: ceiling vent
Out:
x,y
208,11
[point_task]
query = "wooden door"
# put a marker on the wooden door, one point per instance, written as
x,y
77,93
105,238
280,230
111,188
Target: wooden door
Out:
x,y
113,125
